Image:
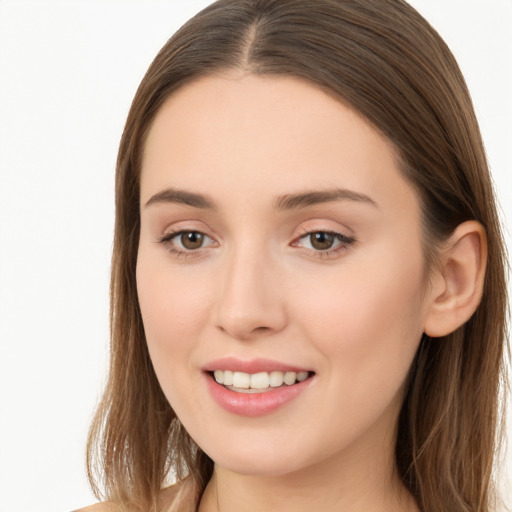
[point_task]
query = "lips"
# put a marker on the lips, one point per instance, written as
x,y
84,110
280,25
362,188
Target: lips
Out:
x,y
251,366
256,387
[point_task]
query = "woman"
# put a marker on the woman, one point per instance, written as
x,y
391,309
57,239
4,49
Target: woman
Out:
x,y
308,291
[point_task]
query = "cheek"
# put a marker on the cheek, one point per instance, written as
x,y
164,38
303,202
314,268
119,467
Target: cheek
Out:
x,y
174,310
171,304
367,320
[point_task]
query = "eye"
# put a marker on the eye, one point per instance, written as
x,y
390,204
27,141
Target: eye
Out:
x,y
191,240
186,241
324,241
321,241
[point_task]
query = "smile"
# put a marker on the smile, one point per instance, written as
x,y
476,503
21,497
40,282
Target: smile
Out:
x,y
242,382
257,387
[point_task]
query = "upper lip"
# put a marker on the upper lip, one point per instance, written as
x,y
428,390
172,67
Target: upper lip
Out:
x,y
251,365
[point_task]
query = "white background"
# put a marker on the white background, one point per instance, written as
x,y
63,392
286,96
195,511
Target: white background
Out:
x,y
68,72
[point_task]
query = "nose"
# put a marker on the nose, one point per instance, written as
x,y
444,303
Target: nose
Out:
x,y
251,302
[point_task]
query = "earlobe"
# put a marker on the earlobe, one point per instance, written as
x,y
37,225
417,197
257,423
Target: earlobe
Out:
x,y
459,280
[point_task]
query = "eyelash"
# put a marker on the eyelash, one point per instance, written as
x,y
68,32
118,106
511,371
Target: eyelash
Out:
x,y
344,243
167,239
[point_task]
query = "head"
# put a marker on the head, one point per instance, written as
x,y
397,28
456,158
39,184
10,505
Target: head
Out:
x,y
386,67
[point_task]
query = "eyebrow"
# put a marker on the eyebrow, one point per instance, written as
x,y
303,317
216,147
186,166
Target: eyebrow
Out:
x,y
301,200
281,203
173,195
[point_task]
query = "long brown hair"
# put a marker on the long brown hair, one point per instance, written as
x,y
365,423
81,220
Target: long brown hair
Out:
x,y
382,58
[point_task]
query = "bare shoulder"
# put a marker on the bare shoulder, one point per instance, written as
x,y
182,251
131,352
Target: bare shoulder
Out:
x,y
100,507
179,496
168,497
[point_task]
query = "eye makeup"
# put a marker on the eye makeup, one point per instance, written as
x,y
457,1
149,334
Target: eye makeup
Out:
x,y
323,244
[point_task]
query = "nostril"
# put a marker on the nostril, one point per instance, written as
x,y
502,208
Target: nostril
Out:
x,y
244,330
261,329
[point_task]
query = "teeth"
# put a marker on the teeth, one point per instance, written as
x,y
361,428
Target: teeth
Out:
x,y
290,378
228,378
261,380
300,376
241,380
276,379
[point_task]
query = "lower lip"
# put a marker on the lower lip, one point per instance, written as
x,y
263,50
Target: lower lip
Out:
x,y
254,404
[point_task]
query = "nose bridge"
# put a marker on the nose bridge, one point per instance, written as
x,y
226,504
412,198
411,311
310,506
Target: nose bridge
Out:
x,y
250,299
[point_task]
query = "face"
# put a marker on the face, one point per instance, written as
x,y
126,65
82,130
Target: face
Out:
x,y
278,240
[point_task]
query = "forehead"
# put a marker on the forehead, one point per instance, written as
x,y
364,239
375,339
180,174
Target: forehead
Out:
x,y
261,135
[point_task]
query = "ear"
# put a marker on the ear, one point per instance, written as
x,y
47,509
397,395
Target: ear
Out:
x,y
457,285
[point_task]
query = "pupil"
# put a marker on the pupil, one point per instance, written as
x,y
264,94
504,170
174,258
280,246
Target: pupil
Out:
x,y
322,241
192,240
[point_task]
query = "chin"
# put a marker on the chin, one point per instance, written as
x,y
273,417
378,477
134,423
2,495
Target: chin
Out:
x,y
263,459
259,468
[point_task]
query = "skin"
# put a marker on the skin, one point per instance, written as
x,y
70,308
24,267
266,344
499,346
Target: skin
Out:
x,y
259,288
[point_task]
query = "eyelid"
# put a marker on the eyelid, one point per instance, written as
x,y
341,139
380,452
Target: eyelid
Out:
x,y
336,234
323,228
345,241
182,226
174,233
341,242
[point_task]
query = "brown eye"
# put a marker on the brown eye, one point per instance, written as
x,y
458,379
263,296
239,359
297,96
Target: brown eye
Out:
x,y
322,241
191,240
187,242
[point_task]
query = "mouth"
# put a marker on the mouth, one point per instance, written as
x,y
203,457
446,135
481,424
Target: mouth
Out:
x,y
260,382
255,387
